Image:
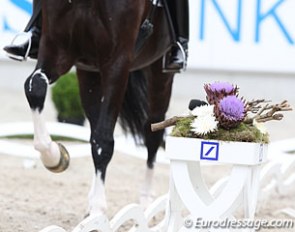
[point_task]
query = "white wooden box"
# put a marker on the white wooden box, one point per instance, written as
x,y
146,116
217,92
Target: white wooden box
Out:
x,y
192,149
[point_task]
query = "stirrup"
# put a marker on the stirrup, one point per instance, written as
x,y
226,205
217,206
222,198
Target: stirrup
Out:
x,y
184,66
25,57
157,3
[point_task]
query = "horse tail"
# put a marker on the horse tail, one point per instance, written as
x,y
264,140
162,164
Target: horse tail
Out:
x,y
134,112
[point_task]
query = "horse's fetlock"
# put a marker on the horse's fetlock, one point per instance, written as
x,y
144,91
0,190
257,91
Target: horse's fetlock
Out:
x,y
41,146
99,206
97,198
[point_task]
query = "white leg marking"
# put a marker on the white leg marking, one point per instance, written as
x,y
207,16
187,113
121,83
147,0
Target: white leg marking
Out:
x,y
96,196
50,154
99,150
146,190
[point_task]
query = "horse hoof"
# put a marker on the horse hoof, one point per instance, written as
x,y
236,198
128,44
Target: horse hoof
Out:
x,y
63,162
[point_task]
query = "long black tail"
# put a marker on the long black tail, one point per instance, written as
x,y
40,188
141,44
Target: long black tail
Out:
x,y
134,112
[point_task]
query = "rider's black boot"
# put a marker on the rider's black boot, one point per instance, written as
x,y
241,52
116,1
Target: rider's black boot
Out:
x,y
20,52
179,52
29,48
179,11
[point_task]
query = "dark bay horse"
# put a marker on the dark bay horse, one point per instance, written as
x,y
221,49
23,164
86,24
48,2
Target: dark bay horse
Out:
x,y
99,37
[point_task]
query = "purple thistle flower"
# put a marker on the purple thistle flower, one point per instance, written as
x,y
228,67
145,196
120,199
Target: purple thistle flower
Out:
x,y
218,90
222,86
232,108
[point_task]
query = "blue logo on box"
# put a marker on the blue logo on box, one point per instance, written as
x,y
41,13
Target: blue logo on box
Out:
x,y
209,150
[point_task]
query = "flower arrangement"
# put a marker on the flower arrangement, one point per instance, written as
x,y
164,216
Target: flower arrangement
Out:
x,y
226,116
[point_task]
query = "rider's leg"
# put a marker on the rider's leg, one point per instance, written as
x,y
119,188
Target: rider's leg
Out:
x,y
179,11
34,26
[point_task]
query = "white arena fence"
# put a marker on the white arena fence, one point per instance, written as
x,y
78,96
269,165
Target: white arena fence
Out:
x,y
123,143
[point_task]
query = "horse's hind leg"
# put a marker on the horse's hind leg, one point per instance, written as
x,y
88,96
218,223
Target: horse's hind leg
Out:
x,y
159,93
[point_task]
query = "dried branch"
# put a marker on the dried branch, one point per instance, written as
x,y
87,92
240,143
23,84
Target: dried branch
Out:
x,y
269,112
255,105
167,123
262,114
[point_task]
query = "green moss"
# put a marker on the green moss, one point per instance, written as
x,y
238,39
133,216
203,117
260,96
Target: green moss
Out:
x,y
182,128
242,133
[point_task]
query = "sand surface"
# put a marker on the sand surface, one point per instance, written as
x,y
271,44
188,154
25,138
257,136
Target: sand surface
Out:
x,y
31,199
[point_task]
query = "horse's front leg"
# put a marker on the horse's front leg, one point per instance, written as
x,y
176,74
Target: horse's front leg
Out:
x,y
54,156
91,96
114,80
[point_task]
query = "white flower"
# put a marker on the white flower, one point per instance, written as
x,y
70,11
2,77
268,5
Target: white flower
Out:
x,y
260,126
204,125
203,111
